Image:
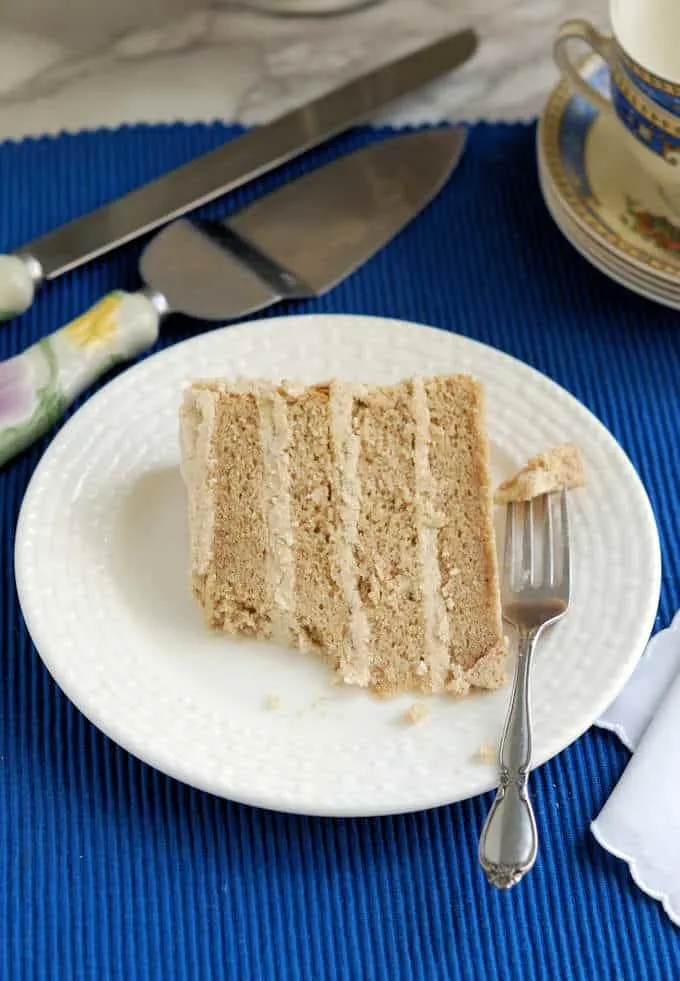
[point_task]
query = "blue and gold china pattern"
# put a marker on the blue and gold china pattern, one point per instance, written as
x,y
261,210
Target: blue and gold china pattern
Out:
x,y
570,131
640,115
653,124
664,93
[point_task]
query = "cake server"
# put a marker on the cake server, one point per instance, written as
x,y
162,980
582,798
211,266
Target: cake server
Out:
x,y
294,243
219,171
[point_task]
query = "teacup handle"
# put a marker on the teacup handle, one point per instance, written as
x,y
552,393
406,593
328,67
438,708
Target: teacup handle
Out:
x,y
582,30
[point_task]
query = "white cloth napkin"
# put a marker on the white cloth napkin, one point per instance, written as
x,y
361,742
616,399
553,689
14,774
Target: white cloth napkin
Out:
x,y
640,823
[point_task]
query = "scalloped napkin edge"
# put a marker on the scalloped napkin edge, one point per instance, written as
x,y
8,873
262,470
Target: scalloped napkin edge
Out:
x,y
640,823
631,712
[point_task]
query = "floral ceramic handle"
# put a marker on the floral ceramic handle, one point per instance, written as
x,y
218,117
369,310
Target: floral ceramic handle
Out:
x,y
37,386
17,285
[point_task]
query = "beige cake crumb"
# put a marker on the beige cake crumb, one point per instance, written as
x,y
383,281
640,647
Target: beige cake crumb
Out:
x,y
272,702
486,754
416,713
559,468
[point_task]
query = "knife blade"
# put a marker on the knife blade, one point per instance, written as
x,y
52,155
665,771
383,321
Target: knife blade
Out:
x,y
221,170
298,241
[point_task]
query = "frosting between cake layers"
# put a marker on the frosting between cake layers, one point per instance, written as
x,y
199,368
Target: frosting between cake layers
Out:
x,y
280,561
437,633
346,448
197,420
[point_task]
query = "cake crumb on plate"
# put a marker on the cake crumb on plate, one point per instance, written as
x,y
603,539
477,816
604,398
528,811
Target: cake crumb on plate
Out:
x,y
416,713
272,702
486,753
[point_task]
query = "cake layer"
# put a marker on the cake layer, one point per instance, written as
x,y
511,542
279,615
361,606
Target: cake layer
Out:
x,y
352,519
387,554
223,470
466,544
321,606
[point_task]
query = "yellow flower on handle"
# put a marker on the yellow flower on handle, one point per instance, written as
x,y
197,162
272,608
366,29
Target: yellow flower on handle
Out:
x,y
97,327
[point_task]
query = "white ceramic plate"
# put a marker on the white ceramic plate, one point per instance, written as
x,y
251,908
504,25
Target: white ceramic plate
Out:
x,y
599,183
101,558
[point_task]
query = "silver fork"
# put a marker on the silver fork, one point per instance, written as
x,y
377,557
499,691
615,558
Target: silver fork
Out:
x,y
534,594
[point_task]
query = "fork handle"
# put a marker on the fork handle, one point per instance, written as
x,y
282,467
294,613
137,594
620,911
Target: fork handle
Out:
x,y
509,842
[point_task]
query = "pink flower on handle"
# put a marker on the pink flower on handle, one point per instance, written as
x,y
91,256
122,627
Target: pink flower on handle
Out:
x,y
17,393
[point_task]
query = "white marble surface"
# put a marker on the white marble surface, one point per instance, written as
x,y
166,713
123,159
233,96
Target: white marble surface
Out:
x,y
88,63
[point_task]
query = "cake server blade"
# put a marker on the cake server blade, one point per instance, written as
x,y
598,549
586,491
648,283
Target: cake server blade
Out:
x,y
298,241
223,169
303,238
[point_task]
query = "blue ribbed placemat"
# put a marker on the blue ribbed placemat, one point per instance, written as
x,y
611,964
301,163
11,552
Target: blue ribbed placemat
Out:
x,y
110,870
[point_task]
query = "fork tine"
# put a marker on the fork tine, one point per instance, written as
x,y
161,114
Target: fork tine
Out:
x,y
509,551
548,542
565,538
528,564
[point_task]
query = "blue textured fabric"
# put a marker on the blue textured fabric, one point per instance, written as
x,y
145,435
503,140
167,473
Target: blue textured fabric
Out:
x,y
110,870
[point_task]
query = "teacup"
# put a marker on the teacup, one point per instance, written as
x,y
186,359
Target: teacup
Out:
x,y
646,105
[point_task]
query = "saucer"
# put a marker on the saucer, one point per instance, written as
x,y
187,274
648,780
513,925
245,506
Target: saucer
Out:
x,y
605,261
617,272
603,201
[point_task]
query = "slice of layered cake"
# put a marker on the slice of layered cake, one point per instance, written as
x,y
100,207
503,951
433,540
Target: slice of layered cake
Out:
x,y
350,519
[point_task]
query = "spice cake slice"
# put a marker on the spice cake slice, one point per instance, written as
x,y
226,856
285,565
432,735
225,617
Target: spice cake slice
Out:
x,y
351,519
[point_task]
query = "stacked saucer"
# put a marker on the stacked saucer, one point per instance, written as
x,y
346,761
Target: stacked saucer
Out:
x,y
600,197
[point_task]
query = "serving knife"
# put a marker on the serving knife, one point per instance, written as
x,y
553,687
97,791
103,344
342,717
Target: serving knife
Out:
x,y
296,242
221,170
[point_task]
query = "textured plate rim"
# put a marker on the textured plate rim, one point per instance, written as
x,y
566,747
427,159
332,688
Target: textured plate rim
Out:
x,y
159,760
